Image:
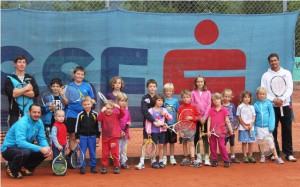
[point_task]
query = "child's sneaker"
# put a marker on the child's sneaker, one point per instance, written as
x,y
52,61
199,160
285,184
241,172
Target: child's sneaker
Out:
x,y
251,159
262,159
125,166
165,160
198,164
278,161
206,161
245,160
185,162
103,170
161,165
117,170
235,160
13,175
173,161
226,164
214,163
155,165
140,166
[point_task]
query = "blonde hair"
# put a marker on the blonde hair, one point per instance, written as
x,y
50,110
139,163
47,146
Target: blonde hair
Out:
x,y
216,96
113,81
185,92
109,102
261,89
122,97
86,98
169,86
227,91
59,111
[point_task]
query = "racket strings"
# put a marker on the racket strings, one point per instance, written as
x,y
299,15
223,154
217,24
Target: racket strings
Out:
x,y
149,150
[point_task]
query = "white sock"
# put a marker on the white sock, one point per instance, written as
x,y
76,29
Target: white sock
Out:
x,y
232,156
142,160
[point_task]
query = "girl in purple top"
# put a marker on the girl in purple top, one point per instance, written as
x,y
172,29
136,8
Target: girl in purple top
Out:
x,y
116,84
122,101
201,98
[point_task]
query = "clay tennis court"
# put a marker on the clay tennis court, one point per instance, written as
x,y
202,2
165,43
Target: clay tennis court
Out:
x,y
267,174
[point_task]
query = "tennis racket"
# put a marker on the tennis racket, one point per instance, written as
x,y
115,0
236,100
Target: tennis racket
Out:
x,y
185,128
102,97
77,157
246,116
59,165
172,111
234,125
73,94
266,145
278,87
22,100
149,149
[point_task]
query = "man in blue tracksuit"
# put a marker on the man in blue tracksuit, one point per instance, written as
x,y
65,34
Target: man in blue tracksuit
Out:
x,y
18,147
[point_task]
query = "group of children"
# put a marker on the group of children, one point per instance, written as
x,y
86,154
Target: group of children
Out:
x,y
74,123
84,126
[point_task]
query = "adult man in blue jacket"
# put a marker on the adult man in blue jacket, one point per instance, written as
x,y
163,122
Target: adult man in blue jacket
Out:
x,y
18,147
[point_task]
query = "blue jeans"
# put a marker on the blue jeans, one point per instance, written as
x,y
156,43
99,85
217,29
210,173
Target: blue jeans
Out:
x,y
18,158
90,143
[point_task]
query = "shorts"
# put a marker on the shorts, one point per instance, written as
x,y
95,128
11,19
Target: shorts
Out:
x,y
70,124
244,137
184,140
230,139
158,137
170,136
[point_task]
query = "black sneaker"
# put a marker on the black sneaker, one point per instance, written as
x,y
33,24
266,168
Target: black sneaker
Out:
x,y
13,175
161,165
117,170
125,166
82,170
103,170
226,164
214,163
94,170
155,165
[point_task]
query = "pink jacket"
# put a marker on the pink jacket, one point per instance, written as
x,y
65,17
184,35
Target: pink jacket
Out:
x,y
202,103
148,124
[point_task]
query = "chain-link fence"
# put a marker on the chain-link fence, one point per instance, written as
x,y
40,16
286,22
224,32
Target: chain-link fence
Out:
x,y
224,7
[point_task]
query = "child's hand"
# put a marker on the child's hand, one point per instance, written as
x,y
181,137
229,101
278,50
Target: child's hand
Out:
x,y
52,107
163,113
122,134
149,135
97,140
208,134
189,118
156,123
202,120
165,126
117,106
129,124
77,141
103,109
60,147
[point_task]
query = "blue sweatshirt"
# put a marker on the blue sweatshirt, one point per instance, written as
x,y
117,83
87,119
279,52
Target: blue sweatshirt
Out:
x,y
22,134
265,116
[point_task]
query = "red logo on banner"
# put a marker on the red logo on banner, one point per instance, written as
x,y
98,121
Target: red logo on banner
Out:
x,y
178,61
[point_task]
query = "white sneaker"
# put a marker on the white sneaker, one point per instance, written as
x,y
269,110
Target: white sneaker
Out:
x,y
173,161
140,166
291,158
272,158
199,158
206,161
165,160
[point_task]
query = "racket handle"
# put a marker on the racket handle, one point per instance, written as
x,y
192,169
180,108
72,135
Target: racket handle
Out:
x,y
126,127
281,111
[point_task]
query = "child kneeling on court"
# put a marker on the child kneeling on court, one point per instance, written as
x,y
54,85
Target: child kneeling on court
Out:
x,y
157,133
217,118
87,132
265,123
110,129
